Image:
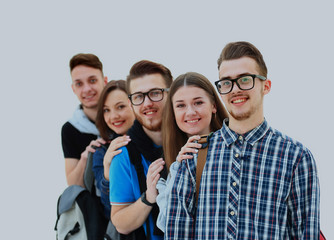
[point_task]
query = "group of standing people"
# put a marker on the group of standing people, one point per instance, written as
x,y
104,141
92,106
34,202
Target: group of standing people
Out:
x,y
255,182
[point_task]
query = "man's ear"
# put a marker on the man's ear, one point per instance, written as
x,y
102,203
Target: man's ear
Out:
x,y
72,88
267,86
105,80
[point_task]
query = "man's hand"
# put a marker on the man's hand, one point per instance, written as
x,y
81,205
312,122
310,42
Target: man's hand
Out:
x,y
89,148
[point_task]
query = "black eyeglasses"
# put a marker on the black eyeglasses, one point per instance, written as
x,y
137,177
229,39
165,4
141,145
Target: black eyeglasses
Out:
x,y
155,95
245,82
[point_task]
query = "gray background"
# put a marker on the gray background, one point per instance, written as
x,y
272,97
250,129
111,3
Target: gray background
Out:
x,y
39,37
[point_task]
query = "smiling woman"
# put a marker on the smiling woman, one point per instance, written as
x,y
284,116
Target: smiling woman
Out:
x,y
193,107
114,118
193,110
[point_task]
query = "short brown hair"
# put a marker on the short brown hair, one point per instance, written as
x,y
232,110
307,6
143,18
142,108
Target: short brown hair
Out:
x,y
173,138
105,132
145,67
86,59
235,50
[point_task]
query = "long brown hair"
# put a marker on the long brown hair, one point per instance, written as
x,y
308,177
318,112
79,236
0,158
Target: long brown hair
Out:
x,y
105,131
173,138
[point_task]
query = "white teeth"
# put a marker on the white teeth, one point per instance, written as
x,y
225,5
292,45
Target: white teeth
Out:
x,y
192,121
148,113
239,100
118,123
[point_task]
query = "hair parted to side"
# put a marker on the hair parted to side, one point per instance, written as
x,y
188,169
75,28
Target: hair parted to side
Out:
x,y
236,50
105,131
145,67
86,59
173,138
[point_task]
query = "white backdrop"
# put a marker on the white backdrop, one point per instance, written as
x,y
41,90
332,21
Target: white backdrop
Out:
x,y
39,37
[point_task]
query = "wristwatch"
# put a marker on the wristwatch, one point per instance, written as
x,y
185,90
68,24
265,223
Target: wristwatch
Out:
x,y
144,200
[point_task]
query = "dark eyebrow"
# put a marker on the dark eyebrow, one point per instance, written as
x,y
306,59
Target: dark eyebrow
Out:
x,y
238,76
90,77
156,88
196,98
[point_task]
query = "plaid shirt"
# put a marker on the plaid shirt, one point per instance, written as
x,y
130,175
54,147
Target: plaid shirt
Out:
x,y
260,185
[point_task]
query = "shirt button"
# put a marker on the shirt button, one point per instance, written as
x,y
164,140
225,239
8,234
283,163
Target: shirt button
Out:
x,y
236,155
240,138
234,184
232,213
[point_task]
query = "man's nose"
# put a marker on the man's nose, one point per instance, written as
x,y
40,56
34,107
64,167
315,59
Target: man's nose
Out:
x,y
235,88
147,101
87,87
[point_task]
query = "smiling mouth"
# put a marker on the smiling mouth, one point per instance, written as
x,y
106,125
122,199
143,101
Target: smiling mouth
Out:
x,y
89,97
118,123
240,100
150,112
192,121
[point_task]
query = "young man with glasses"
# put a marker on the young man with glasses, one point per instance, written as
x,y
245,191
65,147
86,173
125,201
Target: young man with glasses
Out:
x,y
257,183
147,85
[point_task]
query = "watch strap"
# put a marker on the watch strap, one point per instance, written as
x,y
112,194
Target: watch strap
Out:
x,y
144,200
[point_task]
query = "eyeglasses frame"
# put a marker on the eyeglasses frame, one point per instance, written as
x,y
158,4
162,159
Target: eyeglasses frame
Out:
x,y
236,81
146,94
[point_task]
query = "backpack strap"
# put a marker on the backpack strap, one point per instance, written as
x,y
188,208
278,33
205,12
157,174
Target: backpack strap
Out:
x,y
68,197
201,159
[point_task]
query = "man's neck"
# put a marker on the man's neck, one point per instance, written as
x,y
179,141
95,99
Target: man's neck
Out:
x,y
156,136
90,113
244,126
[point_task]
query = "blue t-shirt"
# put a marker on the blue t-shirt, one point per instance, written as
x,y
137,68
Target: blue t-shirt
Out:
x,y
124,186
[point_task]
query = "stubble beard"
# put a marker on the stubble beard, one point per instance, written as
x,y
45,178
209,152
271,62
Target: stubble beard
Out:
x,y
245,115
241,116
149,125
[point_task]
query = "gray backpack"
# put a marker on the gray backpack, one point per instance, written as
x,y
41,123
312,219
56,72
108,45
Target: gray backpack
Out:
x,y
80,211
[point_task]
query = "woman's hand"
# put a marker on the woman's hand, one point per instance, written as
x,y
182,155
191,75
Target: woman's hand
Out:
x,y
112,151
153,175
190,147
